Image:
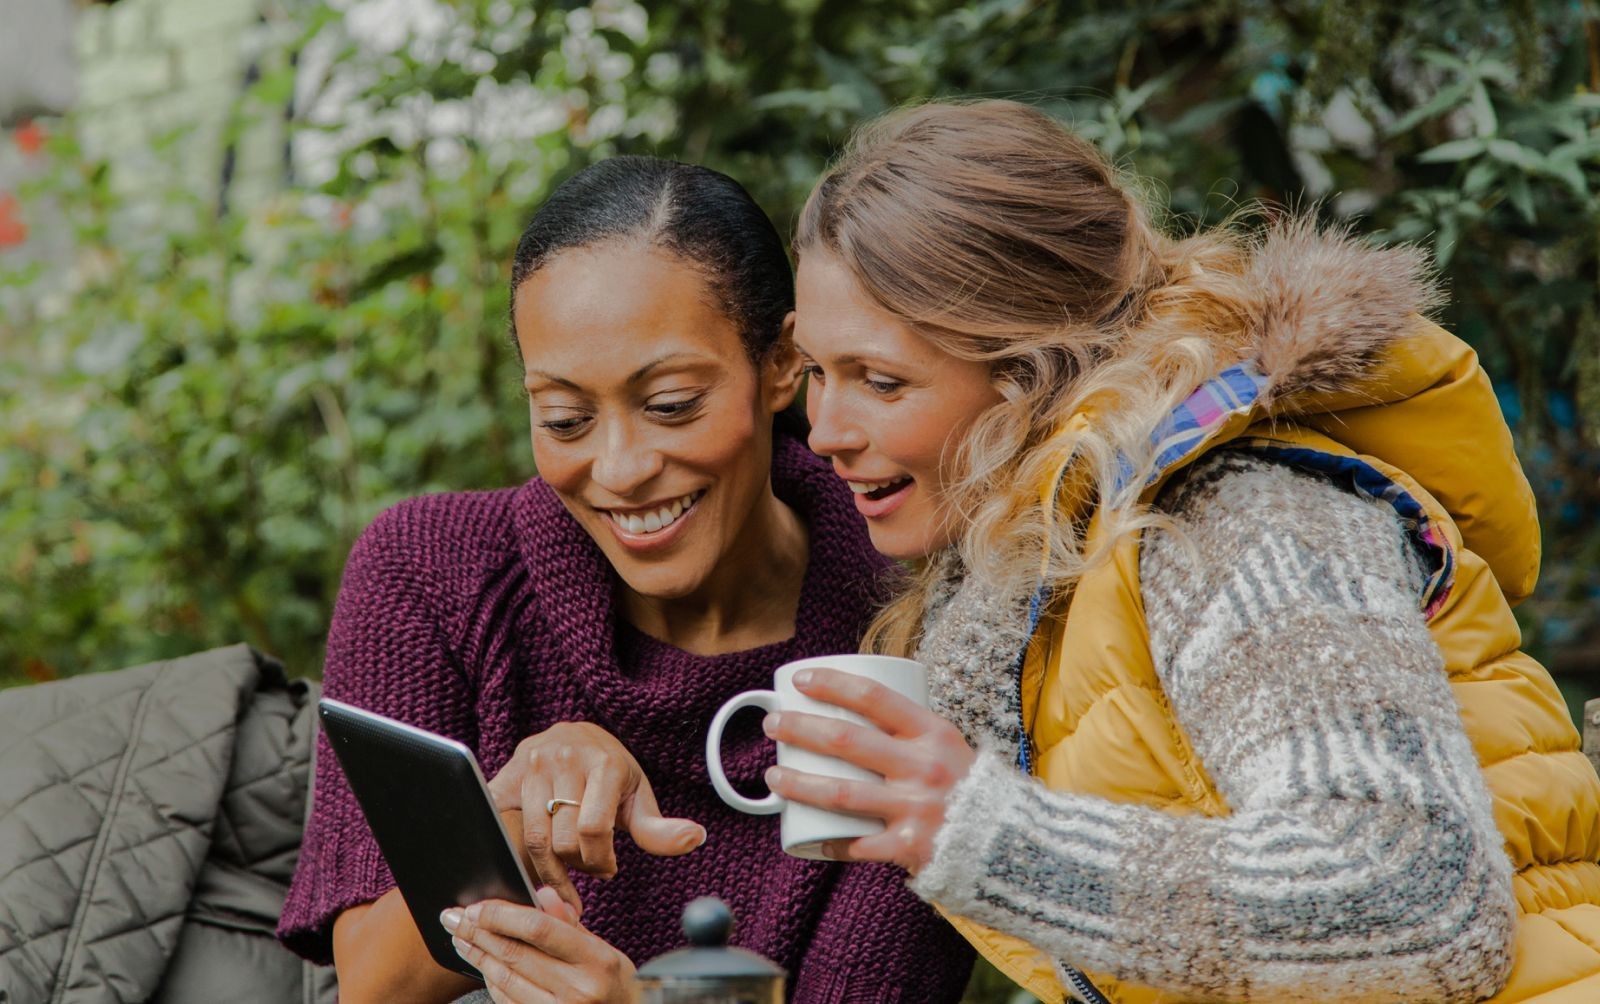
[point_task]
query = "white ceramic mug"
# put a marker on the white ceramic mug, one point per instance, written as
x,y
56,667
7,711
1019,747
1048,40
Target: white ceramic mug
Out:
x,y
806,828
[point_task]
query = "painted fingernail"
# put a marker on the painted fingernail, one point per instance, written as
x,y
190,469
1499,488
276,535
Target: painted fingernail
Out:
x,y
462,948
769,724
451,919
804,677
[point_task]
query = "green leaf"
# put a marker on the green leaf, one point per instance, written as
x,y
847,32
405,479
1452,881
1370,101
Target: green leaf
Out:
x,y
1517,155
1479,178
1443,100
1574,152
293,382
1129,102
1443,60
401,265
1570,173
1494,69
847,74
1520,194
1204,115
1483,117
1457,149
1444,241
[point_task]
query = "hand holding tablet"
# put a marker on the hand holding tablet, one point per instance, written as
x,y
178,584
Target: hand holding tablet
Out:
x,y
424,797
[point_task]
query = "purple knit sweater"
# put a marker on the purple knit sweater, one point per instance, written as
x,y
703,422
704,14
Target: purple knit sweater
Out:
x,y
489,616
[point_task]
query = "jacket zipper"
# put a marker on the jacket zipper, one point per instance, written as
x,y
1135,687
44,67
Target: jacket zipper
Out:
x,y
1082,988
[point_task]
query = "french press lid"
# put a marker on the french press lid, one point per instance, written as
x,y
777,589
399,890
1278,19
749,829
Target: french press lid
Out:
x,y
707,923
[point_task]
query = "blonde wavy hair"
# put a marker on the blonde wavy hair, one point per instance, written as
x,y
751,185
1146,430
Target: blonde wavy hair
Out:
x,y
993,231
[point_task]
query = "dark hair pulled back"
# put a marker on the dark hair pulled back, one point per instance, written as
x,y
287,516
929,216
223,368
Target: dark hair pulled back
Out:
x,y
702,216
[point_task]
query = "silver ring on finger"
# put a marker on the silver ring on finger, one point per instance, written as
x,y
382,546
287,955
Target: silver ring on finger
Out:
x,y
555,804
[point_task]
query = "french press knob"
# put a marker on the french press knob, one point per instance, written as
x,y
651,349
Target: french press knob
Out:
x,y
708,971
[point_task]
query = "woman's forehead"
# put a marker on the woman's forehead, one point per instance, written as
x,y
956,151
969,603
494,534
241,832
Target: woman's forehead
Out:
x,y
615,310
835,318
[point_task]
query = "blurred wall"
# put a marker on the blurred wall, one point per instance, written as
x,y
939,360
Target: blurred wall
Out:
x,y
177,68
37,73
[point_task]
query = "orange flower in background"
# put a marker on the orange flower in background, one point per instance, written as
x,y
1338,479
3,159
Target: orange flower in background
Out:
x,y
29,137
12,230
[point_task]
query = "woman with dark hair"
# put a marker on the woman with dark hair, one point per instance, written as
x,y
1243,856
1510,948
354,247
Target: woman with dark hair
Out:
x,y
579,631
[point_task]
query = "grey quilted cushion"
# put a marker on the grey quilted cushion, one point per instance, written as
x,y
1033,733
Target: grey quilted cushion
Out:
x,y
144,815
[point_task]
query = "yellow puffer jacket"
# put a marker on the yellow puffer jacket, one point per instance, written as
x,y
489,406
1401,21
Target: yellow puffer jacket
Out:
x,y
1422,431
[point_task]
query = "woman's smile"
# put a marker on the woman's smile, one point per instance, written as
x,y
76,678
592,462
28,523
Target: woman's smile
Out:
x,y
877,499
654,527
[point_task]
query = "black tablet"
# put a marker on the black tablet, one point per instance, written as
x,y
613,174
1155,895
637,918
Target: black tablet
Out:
x,y
426,801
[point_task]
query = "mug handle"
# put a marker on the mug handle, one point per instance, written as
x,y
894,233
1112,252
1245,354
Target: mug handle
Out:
x,y
766,700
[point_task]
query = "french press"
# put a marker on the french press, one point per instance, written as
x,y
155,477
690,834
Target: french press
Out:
x,y
708,971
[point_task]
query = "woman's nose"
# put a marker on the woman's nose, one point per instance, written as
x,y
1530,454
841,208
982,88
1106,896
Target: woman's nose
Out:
x,y
626,462
833,430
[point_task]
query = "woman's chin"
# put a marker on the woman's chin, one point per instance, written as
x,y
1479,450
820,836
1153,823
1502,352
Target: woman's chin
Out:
x,y
899,544
670,581
911,533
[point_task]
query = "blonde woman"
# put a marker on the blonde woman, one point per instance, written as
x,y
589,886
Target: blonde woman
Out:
x,y
1216,542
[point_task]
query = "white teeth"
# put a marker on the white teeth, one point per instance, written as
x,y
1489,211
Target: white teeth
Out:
x,y
658,520
863,487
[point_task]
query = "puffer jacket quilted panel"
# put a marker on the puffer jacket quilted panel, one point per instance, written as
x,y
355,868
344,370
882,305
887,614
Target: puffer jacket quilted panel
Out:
x,y
127,820
233,913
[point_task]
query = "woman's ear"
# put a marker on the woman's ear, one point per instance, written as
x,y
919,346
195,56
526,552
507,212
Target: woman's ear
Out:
x,y
780,374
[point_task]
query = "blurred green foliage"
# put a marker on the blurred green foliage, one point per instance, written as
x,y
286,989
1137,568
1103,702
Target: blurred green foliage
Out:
x,y
208,403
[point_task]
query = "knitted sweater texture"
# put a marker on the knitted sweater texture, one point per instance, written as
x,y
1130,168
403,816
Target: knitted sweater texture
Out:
x,y
1361,858
490,616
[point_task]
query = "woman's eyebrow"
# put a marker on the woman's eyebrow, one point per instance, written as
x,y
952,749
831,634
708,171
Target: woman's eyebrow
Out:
x,y
687,358
533,377
858,359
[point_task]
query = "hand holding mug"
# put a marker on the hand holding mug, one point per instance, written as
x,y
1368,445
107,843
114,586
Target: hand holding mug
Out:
x,y
574,785
863,765
918,756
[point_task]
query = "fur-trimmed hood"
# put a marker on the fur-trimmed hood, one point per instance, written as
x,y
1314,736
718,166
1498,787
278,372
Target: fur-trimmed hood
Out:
x,y
1328,304
1337,343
